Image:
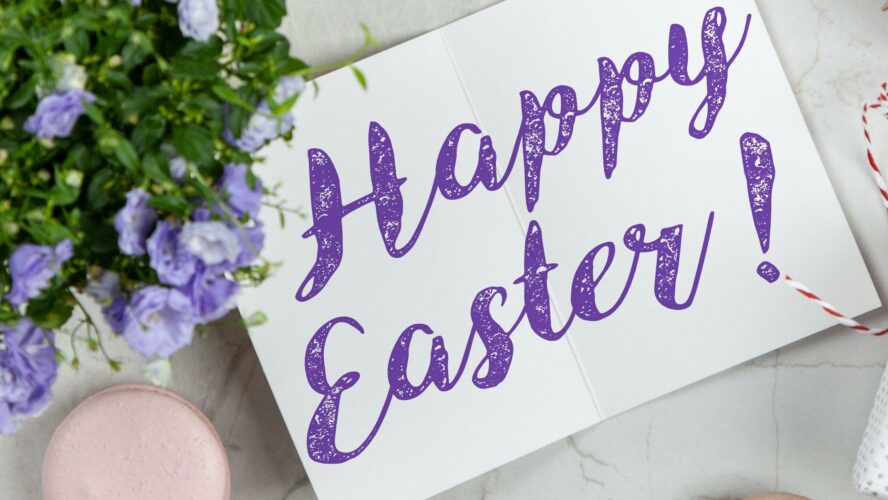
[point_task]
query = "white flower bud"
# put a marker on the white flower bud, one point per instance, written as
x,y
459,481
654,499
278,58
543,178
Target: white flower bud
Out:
x,y
74,178
68,74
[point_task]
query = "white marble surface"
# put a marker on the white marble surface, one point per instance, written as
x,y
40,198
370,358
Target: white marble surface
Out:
x,y
788,421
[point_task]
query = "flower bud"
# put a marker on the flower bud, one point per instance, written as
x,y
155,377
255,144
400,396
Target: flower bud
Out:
x,y
68,74
74,178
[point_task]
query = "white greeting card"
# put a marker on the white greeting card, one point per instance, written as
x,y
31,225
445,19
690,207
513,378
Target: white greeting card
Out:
x,y
535,218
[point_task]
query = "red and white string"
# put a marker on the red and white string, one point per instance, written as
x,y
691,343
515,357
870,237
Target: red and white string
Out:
x,y
879,106
831,310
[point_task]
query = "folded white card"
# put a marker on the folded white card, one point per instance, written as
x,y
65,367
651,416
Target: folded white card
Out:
x,y
535,218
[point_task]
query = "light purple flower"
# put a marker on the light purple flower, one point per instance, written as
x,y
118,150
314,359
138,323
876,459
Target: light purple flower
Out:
x,y
133,223
177,164
115,314
104,289
56,113
251,240
158,321
263,126
212,241
33,266
136,3
168,257
287,87
242,199
28,369
198,19
212,295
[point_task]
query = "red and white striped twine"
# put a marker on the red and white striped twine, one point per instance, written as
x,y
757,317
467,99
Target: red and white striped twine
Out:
x,y
880,106
831,310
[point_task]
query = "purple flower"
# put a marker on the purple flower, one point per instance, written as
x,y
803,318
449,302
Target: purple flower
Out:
x,y
168,257
287,87
158,321
33,266
177,164
242,199
56,113
251,240
211,241
104,289
115,314
27,371
133,223
263,126
212,295
198,19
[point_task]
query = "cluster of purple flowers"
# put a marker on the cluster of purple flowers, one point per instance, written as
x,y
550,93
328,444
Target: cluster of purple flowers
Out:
x,y
193,261
263,126
27,359
27,371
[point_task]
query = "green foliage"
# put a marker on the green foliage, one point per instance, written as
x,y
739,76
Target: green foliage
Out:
x,y
157,92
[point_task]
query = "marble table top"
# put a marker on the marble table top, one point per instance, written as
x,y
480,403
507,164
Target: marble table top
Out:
x,y
790,420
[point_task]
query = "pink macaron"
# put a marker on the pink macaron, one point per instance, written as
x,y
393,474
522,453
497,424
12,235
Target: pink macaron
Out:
x,y
136,442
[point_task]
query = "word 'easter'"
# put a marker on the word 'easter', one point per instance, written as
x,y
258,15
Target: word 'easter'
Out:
x,y
328,210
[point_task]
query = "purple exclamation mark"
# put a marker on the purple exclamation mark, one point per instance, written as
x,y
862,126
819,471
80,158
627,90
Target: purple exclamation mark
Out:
x,y
758,165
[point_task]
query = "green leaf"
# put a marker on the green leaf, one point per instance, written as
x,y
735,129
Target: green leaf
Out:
x,y
170,203
255,319
228,95
112,142
118,79
359,75
7,313
52,309
63,193
78,44
369,39
291,65
195,69
99,237
266,13
194,143
155,165
100,190
133,53
238,116
93,112
48,232
148,133
211,49
23,95
145,99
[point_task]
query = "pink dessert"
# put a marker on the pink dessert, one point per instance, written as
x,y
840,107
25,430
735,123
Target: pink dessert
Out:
x,y
135,442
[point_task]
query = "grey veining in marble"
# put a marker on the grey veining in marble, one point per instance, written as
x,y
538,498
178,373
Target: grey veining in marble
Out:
x,y
790,420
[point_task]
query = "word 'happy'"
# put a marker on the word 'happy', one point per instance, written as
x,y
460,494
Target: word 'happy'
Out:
x,y
560,104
